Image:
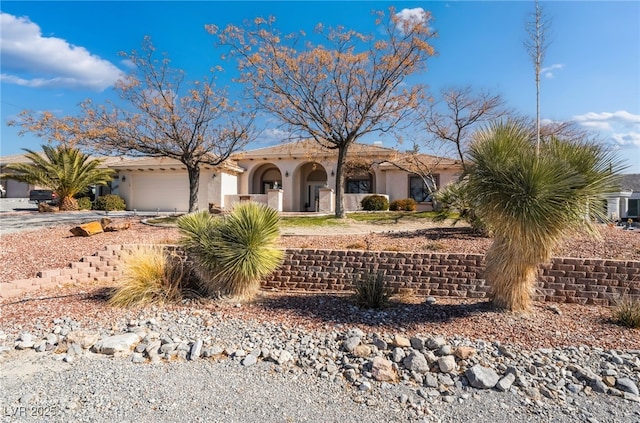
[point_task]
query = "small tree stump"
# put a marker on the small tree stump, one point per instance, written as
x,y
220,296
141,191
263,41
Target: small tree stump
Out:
x,y
112,227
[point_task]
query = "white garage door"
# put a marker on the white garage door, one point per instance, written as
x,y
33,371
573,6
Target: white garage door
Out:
x,y
158,190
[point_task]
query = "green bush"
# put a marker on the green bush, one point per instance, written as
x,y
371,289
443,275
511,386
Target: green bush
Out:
x,y
374,203
110,202
150,276
232,253
407,204
84,203
626,312
371,291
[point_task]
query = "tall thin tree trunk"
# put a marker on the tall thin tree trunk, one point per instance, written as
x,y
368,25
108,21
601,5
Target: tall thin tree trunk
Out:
x,y
194,186
342,158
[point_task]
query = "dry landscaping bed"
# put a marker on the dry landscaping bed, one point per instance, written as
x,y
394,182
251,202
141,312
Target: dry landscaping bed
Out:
x,y
547,325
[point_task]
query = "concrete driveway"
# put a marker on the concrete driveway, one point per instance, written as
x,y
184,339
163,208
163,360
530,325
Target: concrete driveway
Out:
x,y
18,214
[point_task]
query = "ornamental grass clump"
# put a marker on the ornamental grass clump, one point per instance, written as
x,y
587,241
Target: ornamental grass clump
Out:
x,y
233,253
371,290
151,275
626,312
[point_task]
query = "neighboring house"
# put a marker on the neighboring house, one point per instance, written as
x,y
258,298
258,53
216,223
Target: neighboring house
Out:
x,y
15,189
625,204
291,177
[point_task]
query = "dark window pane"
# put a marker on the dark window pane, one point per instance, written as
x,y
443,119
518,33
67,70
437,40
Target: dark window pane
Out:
x,y
418,190
634,208
358,186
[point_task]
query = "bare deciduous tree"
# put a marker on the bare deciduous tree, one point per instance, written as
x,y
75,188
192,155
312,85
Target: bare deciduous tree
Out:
x,y
452,119
161,116
336,91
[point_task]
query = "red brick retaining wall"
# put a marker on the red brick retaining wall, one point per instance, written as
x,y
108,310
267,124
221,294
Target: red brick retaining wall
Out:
x,y
584,281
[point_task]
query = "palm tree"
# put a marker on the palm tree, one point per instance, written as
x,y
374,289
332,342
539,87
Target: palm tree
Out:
x,y
530,202
65,170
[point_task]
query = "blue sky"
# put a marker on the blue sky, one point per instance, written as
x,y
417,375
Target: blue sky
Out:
x,y
56,54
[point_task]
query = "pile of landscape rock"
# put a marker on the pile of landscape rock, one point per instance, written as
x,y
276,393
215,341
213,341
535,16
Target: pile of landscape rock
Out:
x,y
435,368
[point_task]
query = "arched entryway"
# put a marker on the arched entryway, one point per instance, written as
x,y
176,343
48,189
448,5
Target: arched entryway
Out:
x,y
264,178
312,177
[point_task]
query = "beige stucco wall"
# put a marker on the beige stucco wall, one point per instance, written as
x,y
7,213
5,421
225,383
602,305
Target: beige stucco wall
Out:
x,y
169,190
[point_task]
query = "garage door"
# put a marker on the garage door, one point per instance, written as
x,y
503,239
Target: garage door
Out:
x,y
158,190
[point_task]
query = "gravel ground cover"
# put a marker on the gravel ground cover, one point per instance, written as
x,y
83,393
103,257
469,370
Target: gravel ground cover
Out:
x,y
298,357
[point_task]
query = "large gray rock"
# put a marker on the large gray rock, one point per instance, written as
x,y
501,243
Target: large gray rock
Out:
x,y
447,364
416,362
436,342
417,343
398,354
117,344
482,377
505,383
351,343
627,385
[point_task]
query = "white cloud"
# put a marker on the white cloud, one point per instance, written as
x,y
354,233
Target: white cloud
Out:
x,y
411,17
607,121
621,128
31,60
631,139
547,72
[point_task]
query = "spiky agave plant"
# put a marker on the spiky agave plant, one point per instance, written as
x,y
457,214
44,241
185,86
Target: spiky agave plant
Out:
x,y
234,253
530,202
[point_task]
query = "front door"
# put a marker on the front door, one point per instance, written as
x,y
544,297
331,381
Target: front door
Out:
x,y
313,196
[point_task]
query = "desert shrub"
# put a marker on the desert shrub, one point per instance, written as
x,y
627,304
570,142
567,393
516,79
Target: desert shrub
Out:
x,y
110,202
375,203
406,204
151,275
84,203
626,312
371,291
433,246
232,254
356,246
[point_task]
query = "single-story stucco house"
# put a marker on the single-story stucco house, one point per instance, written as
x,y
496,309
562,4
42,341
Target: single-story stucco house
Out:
x,y
291,177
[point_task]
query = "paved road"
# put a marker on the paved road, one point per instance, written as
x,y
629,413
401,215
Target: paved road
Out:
x,y
18,214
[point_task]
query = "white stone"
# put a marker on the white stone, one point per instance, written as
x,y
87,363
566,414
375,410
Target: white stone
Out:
x,y
117,344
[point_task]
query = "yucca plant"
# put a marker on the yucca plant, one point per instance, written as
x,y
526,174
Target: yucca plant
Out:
x,y
371,290
531,201
232,254
150,276
65,170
